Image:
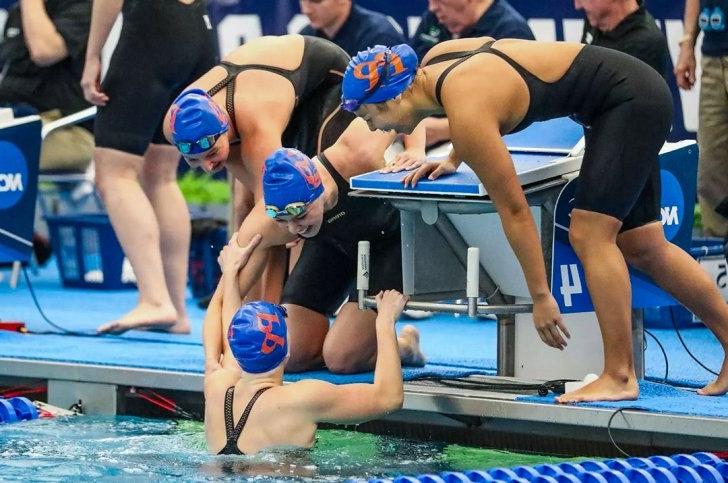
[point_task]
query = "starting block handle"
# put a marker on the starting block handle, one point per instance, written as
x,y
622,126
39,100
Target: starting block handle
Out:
x,y
472,288
362,272
481,308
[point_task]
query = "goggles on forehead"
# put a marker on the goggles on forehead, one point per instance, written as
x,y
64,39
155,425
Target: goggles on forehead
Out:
x,y
352,105
204,143
290,212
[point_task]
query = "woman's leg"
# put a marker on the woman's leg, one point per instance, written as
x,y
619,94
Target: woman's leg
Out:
x,y
159,181
135,224
351,344
646,249
594,239
306,334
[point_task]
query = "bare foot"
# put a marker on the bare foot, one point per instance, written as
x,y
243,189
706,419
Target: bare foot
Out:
x,y
720,385
605,388
181,326
146,317
409,347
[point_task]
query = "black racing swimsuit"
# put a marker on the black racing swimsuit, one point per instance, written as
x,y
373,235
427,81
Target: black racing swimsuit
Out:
x,y
164,45
626,108
316,121
232,433
326,270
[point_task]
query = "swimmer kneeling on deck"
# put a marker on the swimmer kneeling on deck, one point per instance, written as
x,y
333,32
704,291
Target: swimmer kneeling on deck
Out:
x,y
247,407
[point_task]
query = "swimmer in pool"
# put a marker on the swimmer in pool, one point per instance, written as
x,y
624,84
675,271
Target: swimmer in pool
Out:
x,y
247,407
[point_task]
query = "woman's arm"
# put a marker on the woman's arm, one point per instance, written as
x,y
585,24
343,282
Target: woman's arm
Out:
x,y
479,143
356,403
216,324
45,45
103,16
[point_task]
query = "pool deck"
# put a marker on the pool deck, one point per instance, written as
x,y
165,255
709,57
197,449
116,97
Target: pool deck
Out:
x,y
497,411
100,370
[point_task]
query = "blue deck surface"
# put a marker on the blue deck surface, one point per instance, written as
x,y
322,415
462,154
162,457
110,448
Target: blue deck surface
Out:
x,y
541,143
557,134
83,310
455,346
463,182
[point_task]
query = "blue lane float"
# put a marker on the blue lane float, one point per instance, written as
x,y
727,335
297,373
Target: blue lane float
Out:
x,y
24,408
700,467
17,409
7,412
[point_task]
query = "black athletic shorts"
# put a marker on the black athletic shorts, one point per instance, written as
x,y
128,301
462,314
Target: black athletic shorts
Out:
x,y
620,172
325,274
164,46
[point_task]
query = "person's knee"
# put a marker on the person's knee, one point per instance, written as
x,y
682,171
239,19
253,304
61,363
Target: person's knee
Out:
x,y
341,359
112,168
579,236
341,362
105,183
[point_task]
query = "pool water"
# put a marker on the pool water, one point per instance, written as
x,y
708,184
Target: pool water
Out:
x,y
140,449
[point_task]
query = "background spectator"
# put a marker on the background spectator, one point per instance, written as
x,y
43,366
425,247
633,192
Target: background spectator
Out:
x,y
626,26
348,25
710,17
42,56
455,19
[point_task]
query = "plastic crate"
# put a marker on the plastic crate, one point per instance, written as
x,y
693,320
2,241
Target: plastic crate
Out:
x,y
208,239
88,253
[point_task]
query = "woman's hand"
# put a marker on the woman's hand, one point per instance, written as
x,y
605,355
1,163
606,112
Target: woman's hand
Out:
x,y
548,322
431,170
390,304
405,161
233,257
91,82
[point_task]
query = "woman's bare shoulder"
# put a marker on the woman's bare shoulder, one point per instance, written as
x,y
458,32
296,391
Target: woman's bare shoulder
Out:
x,y
457,45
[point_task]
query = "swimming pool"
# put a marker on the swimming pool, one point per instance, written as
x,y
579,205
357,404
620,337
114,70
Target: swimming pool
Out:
x,y
140,449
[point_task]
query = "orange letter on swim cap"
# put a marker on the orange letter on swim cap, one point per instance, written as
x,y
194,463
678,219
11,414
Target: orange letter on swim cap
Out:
x,y
265,324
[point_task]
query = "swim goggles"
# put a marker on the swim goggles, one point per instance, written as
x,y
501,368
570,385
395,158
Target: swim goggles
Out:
x,y
205,143
290,212
352,105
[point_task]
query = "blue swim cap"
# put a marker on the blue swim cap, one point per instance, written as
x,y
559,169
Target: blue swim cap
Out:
x,y
289,176
258,336
378,74
195,115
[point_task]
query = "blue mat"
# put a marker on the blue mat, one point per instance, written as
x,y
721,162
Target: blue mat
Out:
x,y
683,370
83,310
659,398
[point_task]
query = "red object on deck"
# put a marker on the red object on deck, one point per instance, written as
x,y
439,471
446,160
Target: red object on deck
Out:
x,y
721,454
13,326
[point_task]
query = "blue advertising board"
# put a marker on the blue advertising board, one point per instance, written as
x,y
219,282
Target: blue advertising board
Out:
x,y
568,284
19,158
